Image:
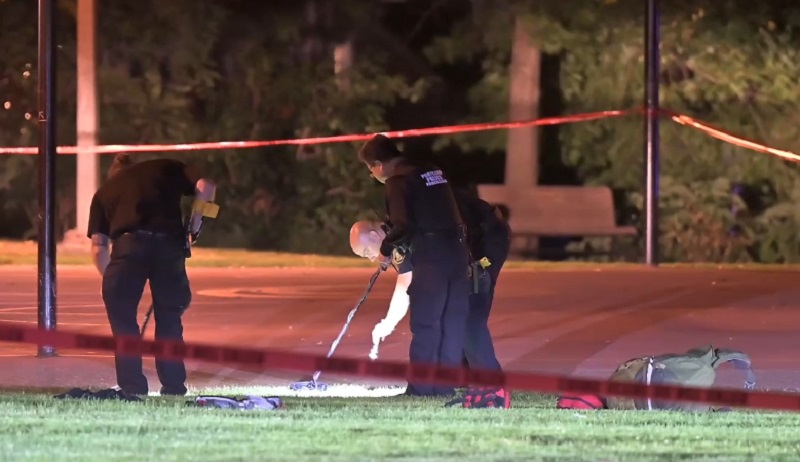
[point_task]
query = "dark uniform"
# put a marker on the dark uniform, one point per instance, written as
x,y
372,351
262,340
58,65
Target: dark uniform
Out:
x,y
490,237
425,218
139,209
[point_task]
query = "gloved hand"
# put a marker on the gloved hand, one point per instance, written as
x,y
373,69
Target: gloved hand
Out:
x,y
373,353
381,331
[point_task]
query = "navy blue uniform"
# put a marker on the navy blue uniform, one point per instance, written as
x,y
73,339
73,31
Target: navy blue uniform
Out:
x,y
139,208
489,236
425,218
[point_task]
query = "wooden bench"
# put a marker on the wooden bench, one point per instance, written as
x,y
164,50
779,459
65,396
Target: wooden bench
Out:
x,y
557,211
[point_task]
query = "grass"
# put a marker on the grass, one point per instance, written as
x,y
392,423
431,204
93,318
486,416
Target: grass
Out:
x,y
36,427
25,253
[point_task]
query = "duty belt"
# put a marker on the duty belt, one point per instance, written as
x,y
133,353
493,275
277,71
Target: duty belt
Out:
x,y
144,232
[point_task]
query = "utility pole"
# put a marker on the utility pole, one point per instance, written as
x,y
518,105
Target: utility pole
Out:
x,y
87,119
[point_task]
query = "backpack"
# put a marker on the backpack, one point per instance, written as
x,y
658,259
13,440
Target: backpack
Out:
x,y
581,402
695,368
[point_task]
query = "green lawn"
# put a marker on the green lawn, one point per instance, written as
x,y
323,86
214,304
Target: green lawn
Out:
x,y
25,253
35,427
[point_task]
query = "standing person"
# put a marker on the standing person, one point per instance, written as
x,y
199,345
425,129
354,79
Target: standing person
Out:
x,y
138,208
426,224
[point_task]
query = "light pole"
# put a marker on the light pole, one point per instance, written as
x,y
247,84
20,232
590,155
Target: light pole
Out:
x,y
47,172
651,78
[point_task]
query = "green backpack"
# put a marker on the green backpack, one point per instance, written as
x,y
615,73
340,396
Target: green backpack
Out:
x,y
695,368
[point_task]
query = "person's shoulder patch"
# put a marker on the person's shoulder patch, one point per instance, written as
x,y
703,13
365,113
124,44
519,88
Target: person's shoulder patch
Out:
x,y
398,258
401,262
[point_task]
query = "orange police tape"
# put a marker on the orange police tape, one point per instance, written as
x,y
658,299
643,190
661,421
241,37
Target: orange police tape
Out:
x,y
416,132
249,358
413,132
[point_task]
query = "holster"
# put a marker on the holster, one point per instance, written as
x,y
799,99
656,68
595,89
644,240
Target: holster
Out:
x,y
481,280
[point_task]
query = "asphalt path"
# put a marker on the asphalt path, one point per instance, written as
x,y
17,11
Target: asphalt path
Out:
x,y
565,322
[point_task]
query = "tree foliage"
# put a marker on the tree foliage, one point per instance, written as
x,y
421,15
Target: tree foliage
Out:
x,y
188,71
183,71
738,71
18,120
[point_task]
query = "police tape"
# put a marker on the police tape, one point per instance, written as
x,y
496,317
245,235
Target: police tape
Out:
x,y
414,132
266,359
681,119
730,138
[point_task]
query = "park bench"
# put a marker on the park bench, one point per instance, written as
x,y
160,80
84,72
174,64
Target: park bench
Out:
x,y
556,211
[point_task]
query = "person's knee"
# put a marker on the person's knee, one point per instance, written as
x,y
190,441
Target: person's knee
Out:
x,y
168,316
185,299
425,325
169,326
174,298
122,318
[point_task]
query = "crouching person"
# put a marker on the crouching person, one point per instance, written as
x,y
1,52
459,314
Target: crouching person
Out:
x,y
365,241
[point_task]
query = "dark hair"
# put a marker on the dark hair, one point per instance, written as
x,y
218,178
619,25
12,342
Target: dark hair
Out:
x,y
121,161
378,149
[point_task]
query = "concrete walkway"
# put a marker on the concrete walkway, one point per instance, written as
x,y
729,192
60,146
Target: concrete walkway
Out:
x,y
578,322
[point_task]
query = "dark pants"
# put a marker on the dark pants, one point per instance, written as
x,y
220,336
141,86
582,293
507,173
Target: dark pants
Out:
x,y
438,306
135,259
478,347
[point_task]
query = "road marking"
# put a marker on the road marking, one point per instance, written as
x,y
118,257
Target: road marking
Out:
x,y
328,292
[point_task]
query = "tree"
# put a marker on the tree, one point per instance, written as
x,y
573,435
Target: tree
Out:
x,y
736,71
182,71
18,124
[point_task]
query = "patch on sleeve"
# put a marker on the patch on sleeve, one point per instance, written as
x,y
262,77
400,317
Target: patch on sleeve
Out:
x,y
398,258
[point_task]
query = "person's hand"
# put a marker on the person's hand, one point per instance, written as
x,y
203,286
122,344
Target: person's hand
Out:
x,y
384,261
381,331
373,353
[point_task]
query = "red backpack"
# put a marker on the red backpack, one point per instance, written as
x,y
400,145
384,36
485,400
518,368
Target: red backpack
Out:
x,y
581,402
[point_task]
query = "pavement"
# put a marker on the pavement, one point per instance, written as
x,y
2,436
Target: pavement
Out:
x,y
580,323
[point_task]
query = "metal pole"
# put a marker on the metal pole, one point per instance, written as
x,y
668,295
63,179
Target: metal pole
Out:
x,y
47,170
651,77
